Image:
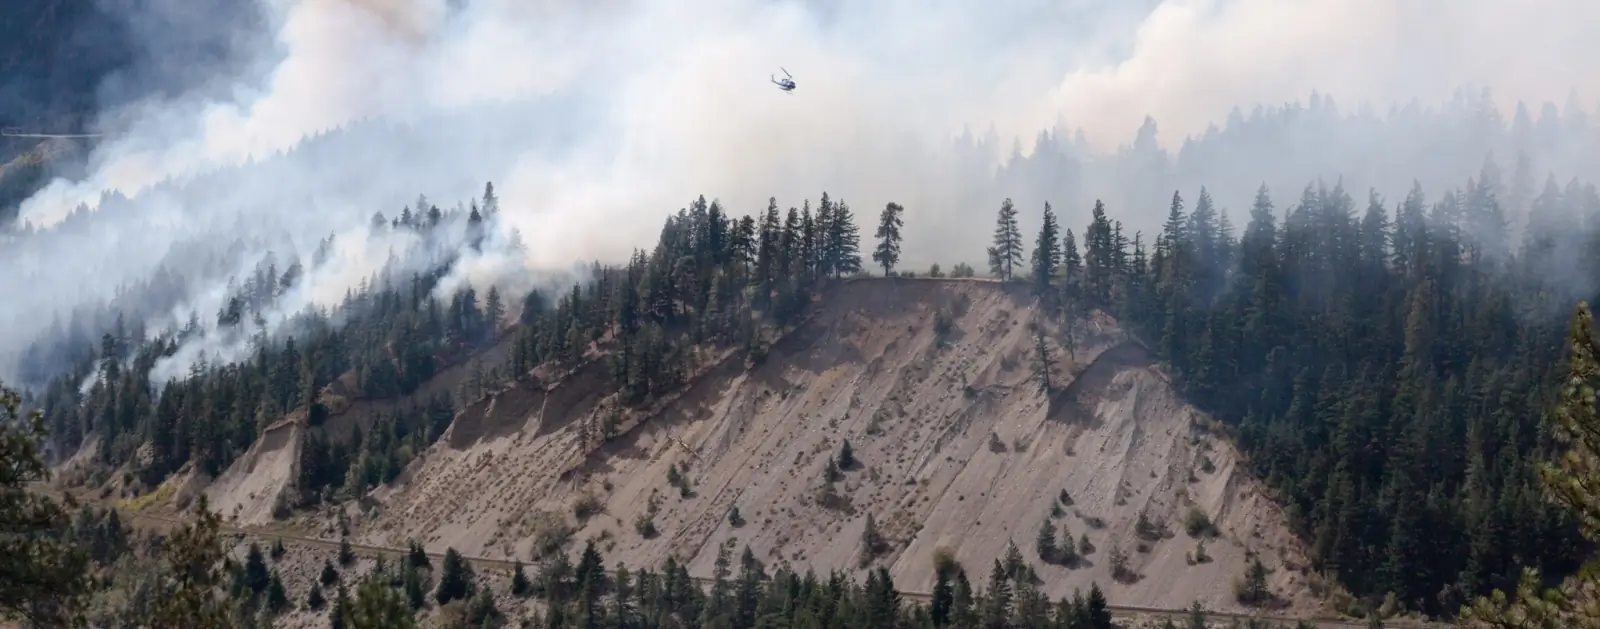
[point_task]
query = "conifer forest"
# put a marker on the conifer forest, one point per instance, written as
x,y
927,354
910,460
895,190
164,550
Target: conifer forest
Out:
x,y
631,359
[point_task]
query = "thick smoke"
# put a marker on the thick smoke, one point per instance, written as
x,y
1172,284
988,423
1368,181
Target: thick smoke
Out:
x,y
596,119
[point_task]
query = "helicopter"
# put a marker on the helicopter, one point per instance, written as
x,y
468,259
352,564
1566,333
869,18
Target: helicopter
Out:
x,y
786,83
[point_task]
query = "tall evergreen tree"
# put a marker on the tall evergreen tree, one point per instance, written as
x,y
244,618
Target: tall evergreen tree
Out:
x,y
1006,253
1046,252
888,252
44,576
455,580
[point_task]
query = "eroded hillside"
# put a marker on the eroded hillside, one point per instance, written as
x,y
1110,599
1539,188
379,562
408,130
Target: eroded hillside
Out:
x,y
934,385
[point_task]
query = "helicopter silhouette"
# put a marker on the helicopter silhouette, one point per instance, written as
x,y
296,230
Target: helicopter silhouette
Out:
x,y
786,83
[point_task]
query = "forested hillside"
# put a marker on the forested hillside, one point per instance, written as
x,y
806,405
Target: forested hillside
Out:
x,y
1386,367
1386,375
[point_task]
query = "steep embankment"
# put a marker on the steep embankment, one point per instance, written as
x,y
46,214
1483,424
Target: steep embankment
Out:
x,y
932,383
247,491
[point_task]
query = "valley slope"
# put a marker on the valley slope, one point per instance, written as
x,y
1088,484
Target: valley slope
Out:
x,y
933,382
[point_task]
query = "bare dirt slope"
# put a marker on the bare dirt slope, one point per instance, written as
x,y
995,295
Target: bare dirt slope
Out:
x,y
247,491
933,384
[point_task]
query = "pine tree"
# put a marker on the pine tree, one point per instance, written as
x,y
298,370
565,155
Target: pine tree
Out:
x,y
997,598
256,575
329,575
962,610
494,309
43,575
1044,361
1047,542
943,596
888,252
340,613
1197,616
1071,260
1099,258
847,457
1253,589
277,597
520,586
872,541
314,599
1067,550
1046,252
416,591
346,555
194,559
1016,567
846,240
482,612
1006,253
1097,609
456,580
417,557
377,606
1575,426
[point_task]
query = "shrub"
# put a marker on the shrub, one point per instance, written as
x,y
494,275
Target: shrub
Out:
x,y
646,526
1198,524
586,506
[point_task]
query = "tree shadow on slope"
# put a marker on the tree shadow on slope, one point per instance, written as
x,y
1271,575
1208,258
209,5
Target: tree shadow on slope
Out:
x,y
1075,403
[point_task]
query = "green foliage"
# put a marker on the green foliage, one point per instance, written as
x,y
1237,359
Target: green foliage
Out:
x,y
482,613
1120,570
1425,333
1006,253
1197,524
376,606
888,252
1044,361
1046,253
1197,616
1046,542
1251,590
847,456
346,556
456,582
255,577
42,575
1310,341
416,557
277,597
1571,480
314,599
520,586
416,590
194,558
873,542
339,614
329,575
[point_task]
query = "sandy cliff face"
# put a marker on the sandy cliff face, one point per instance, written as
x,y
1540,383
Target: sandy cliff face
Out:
x,y
934,385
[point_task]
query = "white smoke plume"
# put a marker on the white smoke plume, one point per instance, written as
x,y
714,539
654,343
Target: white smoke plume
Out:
x,y
596,119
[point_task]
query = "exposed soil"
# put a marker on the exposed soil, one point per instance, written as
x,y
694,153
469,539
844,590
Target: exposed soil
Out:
x,y
957,447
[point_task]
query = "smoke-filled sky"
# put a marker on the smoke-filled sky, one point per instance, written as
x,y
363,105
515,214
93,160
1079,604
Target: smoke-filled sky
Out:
x,y
595,119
